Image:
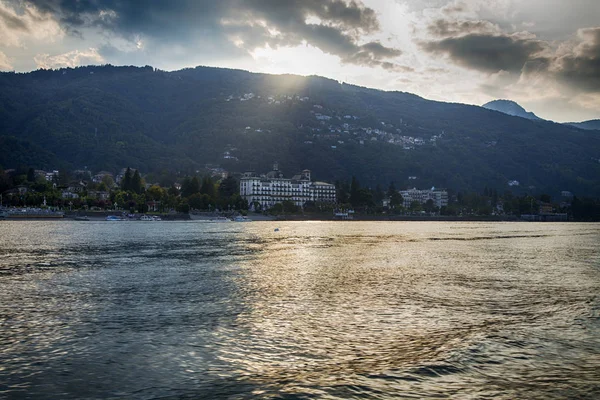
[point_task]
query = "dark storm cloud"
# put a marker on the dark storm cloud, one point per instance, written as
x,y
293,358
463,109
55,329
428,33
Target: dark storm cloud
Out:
x,y
345,15
152,18
581,66
334,26
487,53
482,46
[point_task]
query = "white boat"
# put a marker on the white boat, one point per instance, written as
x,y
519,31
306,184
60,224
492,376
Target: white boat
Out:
x,y
145,218
114,218
156,218
241,218
220,219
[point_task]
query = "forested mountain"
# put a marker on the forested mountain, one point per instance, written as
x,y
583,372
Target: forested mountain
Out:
x,y
109,117
593,124
511,108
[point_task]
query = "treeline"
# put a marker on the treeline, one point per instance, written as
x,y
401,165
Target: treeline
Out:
x,y
22,188
488,202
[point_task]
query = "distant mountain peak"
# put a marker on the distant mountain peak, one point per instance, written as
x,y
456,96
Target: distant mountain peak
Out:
x,y
511,108
593,124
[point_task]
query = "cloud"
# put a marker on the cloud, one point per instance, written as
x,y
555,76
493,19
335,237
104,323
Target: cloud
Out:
x,y
336,27
482,46
71,59
5,64
486,52
28,24
445,28
337,30
581,65
12,21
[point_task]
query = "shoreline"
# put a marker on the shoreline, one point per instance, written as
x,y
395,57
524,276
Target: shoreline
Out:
x,y
101,216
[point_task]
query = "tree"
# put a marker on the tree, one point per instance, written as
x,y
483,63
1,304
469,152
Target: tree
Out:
x,y
140,202
31,175
208,187
429,206
391,190
108,181
415,206
365,198
155,192
228,187
585,209
126,182
195,185
136,182
190,186
355,192
238,202
183,207
173,191
289,207
378,195
396,199
276,209
198,201
343,192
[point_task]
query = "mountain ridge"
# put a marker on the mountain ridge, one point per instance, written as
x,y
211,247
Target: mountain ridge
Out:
x,y
592,124
107,117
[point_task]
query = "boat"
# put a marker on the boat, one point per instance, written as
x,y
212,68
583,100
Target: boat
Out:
x,y
114,218
81,218
241,218
145,218
156,218
220,219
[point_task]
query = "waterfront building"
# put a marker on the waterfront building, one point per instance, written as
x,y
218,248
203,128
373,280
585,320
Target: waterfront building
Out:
x,y
438,196
269,189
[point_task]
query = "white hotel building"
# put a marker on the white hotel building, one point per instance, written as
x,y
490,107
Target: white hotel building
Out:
x,y
272,188
439,196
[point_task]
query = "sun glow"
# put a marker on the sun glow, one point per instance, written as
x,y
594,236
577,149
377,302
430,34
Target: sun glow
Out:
x,y
301,60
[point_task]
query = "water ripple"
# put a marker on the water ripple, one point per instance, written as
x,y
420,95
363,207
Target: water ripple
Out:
x,y
314,310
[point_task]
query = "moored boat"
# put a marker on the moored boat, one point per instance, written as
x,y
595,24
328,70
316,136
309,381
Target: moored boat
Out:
x,y
220,219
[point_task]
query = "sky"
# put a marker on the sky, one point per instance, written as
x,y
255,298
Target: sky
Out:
x,y
543,54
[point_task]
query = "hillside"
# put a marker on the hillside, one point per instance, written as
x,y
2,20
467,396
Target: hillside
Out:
x,y
109,117
593,124
511,108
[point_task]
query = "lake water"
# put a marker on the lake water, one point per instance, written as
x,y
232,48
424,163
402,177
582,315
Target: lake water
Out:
x,y
334,310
